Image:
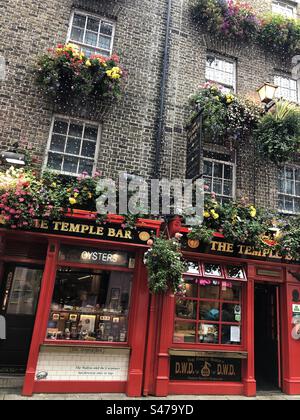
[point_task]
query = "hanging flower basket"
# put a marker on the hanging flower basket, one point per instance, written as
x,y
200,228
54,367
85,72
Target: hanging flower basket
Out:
x,y
66,73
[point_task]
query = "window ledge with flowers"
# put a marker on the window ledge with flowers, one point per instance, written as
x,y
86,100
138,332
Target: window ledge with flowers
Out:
x,y
65,74
237,21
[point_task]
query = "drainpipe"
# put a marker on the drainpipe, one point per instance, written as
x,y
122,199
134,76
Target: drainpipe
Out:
x,y
163,89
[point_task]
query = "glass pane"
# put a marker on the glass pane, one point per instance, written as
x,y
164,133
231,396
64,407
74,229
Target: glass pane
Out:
x,y
228,172
209,333
75,130
77,34
191,288
186,309
58,143
104,42
60,127
207,168
228,188
218,170
70,165
193,268
231,291
90,305
217,186
88,51
235,272
73,146
91,133
208,183
209,289
88,149
231,334
231,312
93,24
91,38
25,290
185,332
106,29
209,311
79,20
86,166
54,161
213,270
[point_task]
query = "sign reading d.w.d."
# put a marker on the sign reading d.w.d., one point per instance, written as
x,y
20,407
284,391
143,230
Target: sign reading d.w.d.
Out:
x,y
205,369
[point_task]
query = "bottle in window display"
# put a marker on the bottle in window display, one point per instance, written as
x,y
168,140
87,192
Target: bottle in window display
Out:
x,y
74,331
123,335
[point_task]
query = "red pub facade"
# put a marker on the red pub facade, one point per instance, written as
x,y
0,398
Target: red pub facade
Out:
x,y
80,318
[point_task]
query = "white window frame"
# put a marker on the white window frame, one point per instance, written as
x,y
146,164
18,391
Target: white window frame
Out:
x,y
78,121
291,196
234,172
228,60
287,77
83,45
281,7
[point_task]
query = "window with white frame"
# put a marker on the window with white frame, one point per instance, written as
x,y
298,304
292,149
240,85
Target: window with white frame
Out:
x,y
73,147
285,8
287,88
219,176
222,71
289,189
92,34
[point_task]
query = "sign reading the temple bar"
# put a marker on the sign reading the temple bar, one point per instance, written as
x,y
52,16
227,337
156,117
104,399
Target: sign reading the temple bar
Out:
x,y
205,369
108,232
194,144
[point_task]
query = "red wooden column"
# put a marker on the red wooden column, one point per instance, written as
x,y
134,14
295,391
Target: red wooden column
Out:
x,y
138,329
166,339
249,378
42,316
290,347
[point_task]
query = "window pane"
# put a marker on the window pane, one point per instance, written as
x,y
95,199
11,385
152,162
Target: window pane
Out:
x,y
217,187
93,24
213,270
77,34
209,311
73,146
235,272
79,20
91,38
86,166
70,164
54,161
90,305
191,288
228,188
228,172
185,332
186,309
218,170
88,149
209,289
58,143
209,334
75,130
25,291
208,168
60,127
231,334
104,42
208,183
193,268
106,29
231,312
231,291
91,133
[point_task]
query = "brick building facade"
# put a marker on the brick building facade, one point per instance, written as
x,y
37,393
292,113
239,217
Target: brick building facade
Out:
x,y
129,129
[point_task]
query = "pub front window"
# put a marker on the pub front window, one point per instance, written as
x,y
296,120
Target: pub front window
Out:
x,y
211,311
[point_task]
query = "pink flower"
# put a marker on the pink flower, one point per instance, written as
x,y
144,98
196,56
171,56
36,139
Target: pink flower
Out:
x,y
21,200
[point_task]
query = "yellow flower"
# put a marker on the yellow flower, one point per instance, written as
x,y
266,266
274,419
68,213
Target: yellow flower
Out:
x,y
88,63
253,211
90,195
206,214
215,215
76,195
2,220
114,73
54,185
72,201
